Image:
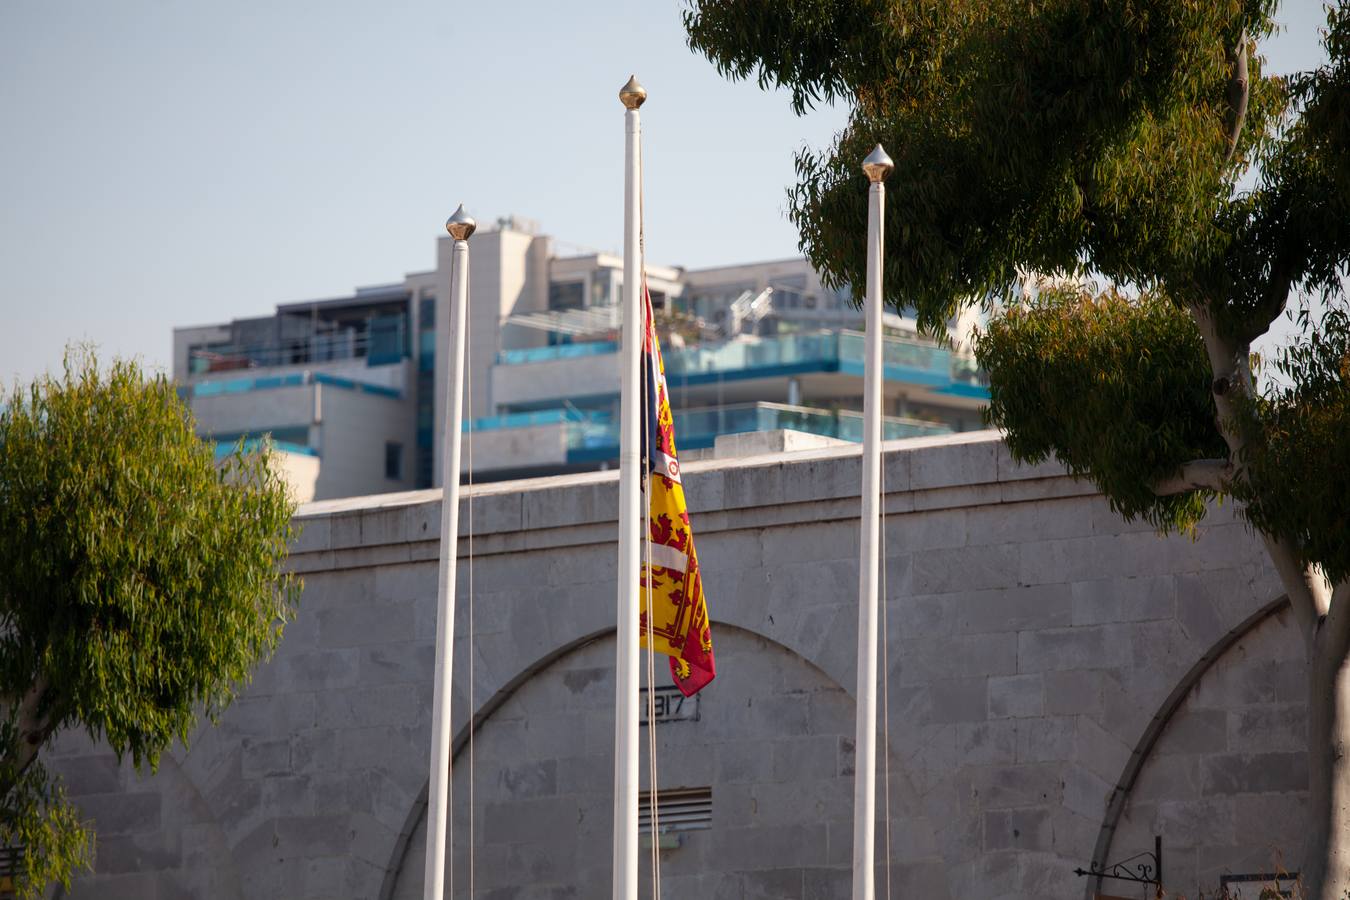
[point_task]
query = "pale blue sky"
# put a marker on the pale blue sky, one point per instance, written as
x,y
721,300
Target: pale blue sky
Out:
x,y
171,163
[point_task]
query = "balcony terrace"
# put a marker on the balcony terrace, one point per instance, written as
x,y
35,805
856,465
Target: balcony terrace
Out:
x,y
543,376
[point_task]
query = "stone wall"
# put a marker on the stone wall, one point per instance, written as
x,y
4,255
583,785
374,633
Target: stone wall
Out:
x,y
1060,685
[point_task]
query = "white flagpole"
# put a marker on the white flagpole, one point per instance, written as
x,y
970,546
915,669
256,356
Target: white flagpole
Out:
x,y
626,653
460,226
877,166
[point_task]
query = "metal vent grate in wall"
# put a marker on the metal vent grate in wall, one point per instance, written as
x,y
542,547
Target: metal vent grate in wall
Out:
x,y
11,861
677,809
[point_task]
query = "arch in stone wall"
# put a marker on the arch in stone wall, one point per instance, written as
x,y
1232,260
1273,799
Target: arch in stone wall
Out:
x,y
189,832
418,809
929,870
1167,712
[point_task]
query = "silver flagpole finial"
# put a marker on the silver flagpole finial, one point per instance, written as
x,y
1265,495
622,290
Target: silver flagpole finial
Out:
x,y
632,94
878,165
461,224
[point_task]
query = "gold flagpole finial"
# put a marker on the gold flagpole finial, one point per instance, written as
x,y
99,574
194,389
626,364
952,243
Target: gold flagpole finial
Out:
x,y
461,225
632,94
878,165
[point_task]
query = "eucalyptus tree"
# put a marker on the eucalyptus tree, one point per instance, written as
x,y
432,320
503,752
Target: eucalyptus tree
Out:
x,y
1137,142
139,583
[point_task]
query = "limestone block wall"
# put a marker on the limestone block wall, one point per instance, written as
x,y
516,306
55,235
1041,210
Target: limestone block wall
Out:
x,y
1059,686
1226,782
782,802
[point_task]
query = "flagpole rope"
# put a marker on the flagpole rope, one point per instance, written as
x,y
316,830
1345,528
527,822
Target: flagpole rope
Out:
x,y
651,659
652,782
652,805
885,674
468,386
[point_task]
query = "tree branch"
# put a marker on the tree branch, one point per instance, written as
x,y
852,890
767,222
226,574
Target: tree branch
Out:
x,y
1197,475
1335,633
1230,362
1275,296
33,723
1239,91
1281,275
1309,593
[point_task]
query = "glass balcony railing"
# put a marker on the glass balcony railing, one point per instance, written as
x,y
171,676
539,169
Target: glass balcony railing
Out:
x,y
908,361
270,382
850,427
782,352
696,428
902,358
560,351
532,419
254,444
384,341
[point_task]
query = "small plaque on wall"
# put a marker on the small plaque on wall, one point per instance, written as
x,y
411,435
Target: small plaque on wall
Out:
x,y
1259,886
669,705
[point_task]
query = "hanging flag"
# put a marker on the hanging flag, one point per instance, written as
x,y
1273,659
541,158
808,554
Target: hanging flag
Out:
x,y
669,574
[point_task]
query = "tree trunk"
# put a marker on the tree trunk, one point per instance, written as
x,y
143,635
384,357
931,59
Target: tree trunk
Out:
x,y
33,726
1326,867
1325,626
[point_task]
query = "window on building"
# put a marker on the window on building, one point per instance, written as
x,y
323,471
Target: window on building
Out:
x,y
387,339
213,357
426,333
600,289
710,300
423,467
426,351
566,295
426,388
393,460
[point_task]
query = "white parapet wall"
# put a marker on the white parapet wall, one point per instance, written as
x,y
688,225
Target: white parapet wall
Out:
x,y
555,379
301,473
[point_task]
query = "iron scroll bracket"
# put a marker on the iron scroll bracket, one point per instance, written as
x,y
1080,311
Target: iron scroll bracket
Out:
x,y
1142,868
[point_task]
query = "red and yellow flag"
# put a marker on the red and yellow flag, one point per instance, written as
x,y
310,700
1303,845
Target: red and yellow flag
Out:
x,y
670,574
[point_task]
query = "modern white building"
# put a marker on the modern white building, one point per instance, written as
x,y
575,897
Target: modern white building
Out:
x,y
358,383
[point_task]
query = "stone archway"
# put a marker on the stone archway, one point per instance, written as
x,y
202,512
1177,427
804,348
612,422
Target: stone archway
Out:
x,y
180,843
774,745
1217,771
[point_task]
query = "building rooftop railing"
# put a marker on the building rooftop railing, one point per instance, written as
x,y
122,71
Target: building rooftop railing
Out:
x,y
598,438
910,361
532,419
253,445
386,343
271,382
698,427
560,351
